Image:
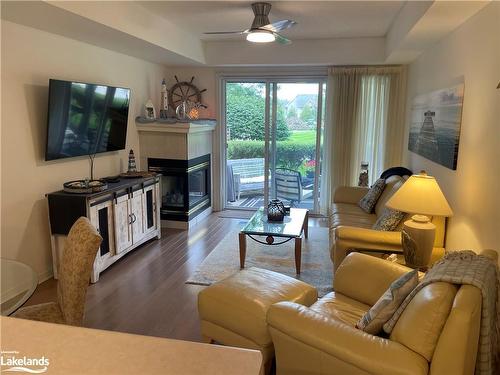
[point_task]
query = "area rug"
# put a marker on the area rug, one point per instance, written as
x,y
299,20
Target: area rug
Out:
x,y
316,267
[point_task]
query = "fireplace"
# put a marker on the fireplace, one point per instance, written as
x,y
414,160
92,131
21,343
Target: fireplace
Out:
x,y
185,186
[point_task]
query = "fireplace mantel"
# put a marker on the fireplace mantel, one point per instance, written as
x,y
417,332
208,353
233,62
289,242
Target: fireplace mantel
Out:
x,y
177,127
180,140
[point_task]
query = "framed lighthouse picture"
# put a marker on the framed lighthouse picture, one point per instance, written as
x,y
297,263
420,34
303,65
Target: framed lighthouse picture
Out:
x,y
435,125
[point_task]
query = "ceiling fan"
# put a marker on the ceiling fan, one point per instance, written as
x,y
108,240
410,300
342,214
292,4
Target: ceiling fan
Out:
x,y
262,31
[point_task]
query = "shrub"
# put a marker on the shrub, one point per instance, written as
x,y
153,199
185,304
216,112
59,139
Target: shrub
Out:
x,y
245,110
237,149
290,154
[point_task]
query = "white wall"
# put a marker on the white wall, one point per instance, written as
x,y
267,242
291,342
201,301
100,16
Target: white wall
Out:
x,y
29,58
337,51
472,54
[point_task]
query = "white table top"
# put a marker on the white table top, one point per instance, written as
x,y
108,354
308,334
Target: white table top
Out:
x,y
18,282
75,350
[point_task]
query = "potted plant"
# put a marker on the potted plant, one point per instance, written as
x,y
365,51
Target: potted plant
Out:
x,y
309,168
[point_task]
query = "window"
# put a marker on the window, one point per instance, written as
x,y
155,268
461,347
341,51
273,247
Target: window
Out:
x,y
273,134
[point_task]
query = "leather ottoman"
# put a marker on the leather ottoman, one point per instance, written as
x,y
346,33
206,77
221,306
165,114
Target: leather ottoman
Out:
x,y
233,311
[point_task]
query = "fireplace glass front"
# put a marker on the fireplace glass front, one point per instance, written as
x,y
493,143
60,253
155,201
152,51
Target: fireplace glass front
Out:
x,y
185,186
197,186
172,188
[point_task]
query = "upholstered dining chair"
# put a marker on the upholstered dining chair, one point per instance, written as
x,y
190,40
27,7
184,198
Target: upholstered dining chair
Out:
x,y
79,253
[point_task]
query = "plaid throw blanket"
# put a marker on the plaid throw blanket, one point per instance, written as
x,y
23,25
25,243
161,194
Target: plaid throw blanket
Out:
x,y
466,267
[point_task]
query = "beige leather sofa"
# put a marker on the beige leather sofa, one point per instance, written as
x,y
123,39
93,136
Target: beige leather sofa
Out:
x,y
437,334
350,226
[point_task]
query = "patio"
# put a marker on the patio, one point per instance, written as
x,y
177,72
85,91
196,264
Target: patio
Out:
x,y
245,185
257,200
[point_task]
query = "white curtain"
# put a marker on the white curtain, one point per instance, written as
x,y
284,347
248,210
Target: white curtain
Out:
x,y
364,122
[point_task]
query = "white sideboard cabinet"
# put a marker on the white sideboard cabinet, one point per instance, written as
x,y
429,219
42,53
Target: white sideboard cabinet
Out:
x,y
126,214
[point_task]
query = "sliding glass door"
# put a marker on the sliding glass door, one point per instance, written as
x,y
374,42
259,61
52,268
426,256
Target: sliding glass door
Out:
x,y
273,134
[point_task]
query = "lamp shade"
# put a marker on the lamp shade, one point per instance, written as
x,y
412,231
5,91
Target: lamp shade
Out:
x,y
420,194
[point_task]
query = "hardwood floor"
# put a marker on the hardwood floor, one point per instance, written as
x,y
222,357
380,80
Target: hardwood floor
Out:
x,y
145,292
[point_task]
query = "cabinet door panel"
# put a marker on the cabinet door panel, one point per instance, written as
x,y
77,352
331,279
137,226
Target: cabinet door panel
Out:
x,y
101,216
137,216
104,230
149,209
123,233
93,217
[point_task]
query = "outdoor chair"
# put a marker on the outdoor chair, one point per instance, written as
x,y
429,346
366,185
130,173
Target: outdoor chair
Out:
x,y
288,185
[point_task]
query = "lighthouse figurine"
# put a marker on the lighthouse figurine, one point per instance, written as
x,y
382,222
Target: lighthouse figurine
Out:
x,y
164,100
132,168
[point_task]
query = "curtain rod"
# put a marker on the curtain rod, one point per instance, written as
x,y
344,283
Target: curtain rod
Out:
x,y
370,69
368,66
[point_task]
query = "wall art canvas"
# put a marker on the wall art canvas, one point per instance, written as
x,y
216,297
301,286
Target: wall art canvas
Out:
x,y
435,125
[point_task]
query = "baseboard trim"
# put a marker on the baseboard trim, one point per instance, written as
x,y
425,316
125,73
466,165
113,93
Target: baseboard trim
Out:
x,y
20,287
187,224
44,276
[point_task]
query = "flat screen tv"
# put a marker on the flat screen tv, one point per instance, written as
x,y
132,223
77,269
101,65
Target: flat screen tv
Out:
x,y
85,119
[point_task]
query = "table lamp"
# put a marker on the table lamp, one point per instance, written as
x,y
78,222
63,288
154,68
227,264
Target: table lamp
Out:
x,y
420,195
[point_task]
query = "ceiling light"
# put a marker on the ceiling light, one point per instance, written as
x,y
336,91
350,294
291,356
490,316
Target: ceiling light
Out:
x,y
260,36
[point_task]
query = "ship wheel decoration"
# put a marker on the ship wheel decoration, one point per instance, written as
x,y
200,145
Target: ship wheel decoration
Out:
x,y
186,92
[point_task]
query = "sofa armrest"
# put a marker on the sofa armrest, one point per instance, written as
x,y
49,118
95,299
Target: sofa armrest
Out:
x,y
354,238
347,238
365,278
378,239
303,337
349,194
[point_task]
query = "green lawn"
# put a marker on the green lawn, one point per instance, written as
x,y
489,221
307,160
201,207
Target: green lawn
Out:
x,y
303,136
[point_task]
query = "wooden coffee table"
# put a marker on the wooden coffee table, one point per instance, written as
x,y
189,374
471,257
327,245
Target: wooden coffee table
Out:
x,y
290,228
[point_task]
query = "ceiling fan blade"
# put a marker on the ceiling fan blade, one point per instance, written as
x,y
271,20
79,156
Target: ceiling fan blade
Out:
x,y
281,39
225,32
279,25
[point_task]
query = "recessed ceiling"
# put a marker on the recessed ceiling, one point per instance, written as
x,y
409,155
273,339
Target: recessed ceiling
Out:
x,y
316,19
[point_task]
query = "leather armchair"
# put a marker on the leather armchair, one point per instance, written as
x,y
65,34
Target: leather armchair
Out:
x,y
322,338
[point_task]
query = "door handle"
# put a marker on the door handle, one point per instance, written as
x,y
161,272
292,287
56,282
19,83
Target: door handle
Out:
x,y
134,218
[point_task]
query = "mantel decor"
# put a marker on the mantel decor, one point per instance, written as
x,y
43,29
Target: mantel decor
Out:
x,y
150,111
185,98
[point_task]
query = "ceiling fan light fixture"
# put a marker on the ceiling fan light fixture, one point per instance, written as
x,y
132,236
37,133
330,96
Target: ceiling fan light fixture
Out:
x,y
261,36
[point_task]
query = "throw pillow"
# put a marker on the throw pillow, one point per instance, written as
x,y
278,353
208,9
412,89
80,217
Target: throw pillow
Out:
x,y
387,305
368,202
389,219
